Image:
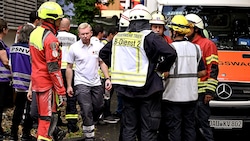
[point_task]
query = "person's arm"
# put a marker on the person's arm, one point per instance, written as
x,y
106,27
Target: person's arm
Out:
x,y
69,77
211,60
201,69
29,94
4,59
105,53
105,71
105,63
161,52
53,60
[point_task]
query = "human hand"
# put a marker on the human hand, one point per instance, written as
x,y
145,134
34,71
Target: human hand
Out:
x,y
165,75
29,95
108,84
62,100
70,91
207,98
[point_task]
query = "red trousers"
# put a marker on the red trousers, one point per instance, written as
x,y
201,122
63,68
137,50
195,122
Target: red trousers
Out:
x,y
46,102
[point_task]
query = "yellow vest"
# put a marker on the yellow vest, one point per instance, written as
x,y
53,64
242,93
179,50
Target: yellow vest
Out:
x,y
38,34
129,62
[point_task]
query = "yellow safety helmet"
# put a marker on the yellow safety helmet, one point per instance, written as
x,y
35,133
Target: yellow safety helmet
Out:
x,y
139,12
50,10
157,18
180,24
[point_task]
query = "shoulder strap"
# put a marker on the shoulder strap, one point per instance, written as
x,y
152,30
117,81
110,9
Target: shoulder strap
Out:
x,y
2,44
45,34
198,53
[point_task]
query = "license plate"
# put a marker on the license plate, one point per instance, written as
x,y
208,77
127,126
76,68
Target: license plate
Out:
x,y
225,124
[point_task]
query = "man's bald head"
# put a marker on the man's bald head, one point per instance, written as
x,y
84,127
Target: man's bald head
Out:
x,y
65,25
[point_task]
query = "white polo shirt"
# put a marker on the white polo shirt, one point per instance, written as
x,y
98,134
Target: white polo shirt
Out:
x,y
87,60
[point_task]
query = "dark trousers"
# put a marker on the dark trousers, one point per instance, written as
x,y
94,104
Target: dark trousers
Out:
x,y
21,104
178,121
71,104
34,108
107,100
141,118
6,99
90,99
72,110
202,115
119,104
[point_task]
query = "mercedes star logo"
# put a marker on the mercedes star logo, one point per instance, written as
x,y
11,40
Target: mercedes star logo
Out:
x,y
224,91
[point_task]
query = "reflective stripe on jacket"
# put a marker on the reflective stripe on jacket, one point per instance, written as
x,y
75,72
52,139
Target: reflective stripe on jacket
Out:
x,y
129,63
5,74
209,82
20,65
181,86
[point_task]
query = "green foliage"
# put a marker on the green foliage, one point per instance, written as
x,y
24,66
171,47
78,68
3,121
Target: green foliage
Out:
x,y
85,10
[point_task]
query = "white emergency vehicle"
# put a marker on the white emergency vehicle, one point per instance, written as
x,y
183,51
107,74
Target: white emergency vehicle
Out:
x,y
228,24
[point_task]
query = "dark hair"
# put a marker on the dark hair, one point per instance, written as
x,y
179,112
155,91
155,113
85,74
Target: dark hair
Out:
x,y
97,29
3,24
33,16
25,33
112,30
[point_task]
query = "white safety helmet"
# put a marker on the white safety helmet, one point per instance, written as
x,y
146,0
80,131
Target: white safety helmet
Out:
x,y
124,20
157,18
196,20
139,12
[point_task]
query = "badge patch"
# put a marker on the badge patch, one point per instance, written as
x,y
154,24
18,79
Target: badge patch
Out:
x,y
53,46
55,53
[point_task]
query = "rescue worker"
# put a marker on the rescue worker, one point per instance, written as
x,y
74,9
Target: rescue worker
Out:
x,y
87,83
67,39
180,95
107,116
46,63
21,70
30,107
5,74
28,120
110,35
208,83
136,74
158,23
123,25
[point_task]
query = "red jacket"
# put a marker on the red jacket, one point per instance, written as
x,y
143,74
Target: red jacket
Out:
x,y
210,58
168,39
46,62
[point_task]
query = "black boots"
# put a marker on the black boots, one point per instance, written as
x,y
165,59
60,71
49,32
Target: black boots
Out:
x,y
59,134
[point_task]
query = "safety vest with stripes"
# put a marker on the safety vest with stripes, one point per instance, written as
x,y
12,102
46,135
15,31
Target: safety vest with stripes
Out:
x,y
21,68
129,62
181,86
5,74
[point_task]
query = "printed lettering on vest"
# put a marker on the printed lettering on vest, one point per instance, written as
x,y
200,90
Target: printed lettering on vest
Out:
x,y
20,49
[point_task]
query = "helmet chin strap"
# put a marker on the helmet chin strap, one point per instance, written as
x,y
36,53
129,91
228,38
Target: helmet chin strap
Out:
x,y
56,28
172,35
53,23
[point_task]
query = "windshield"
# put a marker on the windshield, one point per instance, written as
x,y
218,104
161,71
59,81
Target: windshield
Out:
x,y
228,27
